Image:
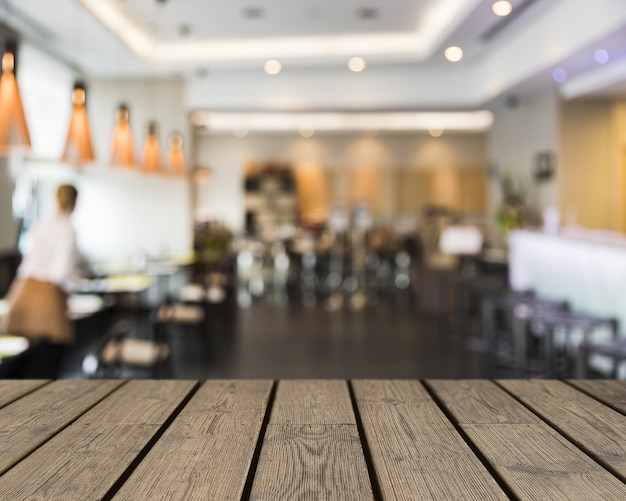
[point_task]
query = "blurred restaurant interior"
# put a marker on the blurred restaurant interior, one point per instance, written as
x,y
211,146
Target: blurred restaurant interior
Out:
x,y
347,189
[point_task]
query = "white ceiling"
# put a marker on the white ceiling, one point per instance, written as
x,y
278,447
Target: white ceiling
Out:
x,y
402,42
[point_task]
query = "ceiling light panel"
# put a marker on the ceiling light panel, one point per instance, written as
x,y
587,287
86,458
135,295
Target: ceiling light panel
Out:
x,y
408,28
228,19
473,121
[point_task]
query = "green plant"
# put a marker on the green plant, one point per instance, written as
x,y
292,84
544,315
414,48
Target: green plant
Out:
x,y
212,242
514,212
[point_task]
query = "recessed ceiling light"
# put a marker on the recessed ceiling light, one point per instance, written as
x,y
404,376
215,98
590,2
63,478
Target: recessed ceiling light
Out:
x,y
453,54
502,8
198,118
435,132
559,75
253,12
601,56
273,67
356,64
367,13
307,131
397,121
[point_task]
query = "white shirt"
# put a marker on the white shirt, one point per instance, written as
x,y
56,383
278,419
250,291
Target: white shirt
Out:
x,y
53,254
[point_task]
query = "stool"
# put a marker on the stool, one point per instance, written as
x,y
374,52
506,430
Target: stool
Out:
x,y
506,337
469,290
545,324
118,351
614,349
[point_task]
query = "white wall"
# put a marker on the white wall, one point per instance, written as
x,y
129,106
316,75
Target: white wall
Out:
x,y
222,198
517,135
119,213
122,213
8,227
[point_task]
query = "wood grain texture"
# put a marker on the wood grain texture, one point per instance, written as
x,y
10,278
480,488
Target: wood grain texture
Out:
x,y
312,402
12,389
416,451
594,426
206,452
312,448
612,392
534,460
481,402
29,422
87,458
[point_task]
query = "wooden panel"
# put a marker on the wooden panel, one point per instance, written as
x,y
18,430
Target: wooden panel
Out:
x,y
32,420
534,460
473,191
312,448
207,451
462,189
415,449
86,459
612,392
596,427
366,187
313,193
11,390
413,190
446,187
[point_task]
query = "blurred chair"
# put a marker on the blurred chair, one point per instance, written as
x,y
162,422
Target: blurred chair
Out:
x,y
504,344
119,354
560,334
614,351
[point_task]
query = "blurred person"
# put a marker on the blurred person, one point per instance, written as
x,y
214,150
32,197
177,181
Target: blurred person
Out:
x,y
38,296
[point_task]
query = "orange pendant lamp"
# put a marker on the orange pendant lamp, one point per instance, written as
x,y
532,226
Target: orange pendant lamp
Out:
x,y
176,156
152,151
122,139
78,147
13,129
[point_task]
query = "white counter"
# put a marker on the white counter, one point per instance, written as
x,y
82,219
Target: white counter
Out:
x,y
587,269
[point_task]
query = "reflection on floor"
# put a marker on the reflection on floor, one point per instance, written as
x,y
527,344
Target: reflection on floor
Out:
x,y
268,341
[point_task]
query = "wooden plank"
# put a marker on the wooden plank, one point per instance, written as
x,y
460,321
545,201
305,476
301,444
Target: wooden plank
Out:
x,y
415,449
312,448
587,422
32,420
612,392
86,459
208,449
534,460
312,402
12,389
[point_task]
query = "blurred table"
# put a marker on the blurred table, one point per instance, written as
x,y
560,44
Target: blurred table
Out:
x,y
114,284
331,439
78,305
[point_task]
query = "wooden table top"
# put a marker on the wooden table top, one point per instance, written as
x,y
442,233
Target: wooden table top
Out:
x,y
298,439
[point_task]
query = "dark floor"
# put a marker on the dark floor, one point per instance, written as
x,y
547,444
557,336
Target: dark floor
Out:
x,y
268,341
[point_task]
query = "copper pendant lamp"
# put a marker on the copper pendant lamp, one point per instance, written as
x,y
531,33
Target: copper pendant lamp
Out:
x,y
78,146
123,154
176,156
152,151
13,129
